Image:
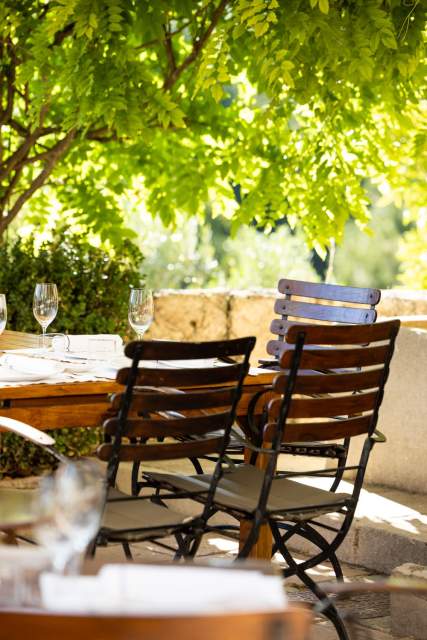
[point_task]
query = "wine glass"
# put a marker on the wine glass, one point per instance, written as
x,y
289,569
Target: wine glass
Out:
x,y
141,310
45,305
69,508
3,312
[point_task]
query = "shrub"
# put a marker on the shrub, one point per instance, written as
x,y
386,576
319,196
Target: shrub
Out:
x,y
93,287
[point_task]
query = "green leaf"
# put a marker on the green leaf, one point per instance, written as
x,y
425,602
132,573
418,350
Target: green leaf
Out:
x,y
324,6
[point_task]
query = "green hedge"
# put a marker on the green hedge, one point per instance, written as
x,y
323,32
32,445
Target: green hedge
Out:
x,y
93,287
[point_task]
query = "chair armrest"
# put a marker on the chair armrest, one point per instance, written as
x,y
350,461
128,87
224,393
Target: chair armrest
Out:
x,y
27,431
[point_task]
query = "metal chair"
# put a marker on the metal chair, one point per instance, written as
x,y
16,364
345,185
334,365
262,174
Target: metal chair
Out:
x,y
155,422
256,495
325,304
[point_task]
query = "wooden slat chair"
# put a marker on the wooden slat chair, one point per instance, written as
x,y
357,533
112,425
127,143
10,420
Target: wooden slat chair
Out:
x,y
304,301
289,507
152,425
311,301
291,624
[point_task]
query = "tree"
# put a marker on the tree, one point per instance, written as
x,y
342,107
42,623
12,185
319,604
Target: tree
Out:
x,y
263,109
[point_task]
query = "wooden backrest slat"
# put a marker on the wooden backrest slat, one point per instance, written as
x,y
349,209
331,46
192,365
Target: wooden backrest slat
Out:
x,y
337,335
348,315
280,326
355,295
322,359
330,406
163,400
332,383
349,364
182,377
173,350
156,408
164,451
168,427
320,431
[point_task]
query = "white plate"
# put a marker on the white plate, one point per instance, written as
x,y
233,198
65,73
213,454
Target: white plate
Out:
x,y
10,375
22,369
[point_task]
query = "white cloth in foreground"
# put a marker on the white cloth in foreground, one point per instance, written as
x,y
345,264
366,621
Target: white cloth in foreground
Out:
x,y
100,343
164,590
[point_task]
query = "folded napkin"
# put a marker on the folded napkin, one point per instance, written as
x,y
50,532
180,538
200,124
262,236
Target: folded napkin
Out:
x,y
164,590
100,343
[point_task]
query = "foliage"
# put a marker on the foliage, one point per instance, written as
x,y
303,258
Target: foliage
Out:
x,y
254,259
202,254
20,457
370,259
413,255
93,288
92,283
264,109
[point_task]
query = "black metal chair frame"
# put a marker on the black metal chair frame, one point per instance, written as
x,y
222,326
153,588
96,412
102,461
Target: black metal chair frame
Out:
x,y
160,351
285,524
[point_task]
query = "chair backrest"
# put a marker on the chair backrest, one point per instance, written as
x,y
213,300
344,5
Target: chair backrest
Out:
x,y
304,301
292,624
357,359
165,399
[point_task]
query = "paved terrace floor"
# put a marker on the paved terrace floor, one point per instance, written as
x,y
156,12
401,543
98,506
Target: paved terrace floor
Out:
x,y
390,529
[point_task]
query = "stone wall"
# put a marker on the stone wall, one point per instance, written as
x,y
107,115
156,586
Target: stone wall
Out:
x,y
210,314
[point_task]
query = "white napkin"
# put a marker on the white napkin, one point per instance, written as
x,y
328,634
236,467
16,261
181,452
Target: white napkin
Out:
x,y
100,343
164,590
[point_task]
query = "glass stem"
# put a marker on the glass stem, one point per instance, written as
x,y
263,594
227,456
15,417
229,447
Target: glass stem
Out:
x,y
44,336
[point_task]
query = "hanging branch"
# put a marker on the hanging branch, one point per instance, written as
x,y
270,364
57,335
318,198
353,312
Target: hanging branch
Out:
x,y
198,45
56,152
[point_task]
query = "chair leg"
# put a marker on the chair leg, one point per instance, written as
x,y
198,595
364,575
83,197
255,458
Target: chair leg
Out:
x,y
183,546
127,551
330,611
197,466
327,553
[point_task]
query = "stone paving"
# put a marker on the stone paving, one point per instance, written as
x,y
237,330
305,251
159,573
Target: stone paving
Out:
x,y
372,611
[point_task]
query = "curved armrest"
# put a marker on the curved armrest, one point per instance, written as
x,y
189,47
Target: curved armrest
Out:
x,y
27,431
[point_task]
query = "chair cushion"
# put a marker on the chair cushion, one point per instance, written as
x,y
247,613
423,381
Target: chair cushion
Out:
x,y
133,519
240,489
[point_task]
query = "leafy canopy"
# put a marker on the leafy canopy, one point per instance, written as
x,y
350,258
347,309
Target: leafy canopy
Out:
x,y
262,108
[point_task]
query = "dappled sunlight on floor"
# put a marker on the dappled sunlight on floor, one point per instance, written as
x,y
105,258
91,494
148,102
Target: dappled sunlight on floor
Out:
x,y
380,505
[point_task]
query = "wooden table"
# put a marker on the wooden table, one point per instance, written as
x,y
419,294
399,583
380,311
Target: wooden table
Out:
x,y
86,404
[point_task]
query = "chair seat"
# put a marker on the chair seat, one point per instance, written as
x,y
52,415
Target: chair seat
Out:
x,y
135,519
240,488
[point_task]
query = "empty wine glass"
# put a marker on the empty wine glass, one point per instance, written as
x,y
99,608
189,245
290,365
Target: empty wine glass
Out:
x,y
141,310
3,312
45,305
69,508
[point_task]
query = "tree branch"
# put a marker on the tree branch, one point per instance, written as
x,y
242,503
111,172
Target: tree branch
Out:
x,y
169,50
10,188
198,45
6,114
56,153
64,33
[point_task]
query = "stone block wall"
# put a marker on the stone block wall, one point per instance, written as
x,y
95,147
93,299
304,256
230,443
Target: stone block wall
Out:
x,y
215,314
